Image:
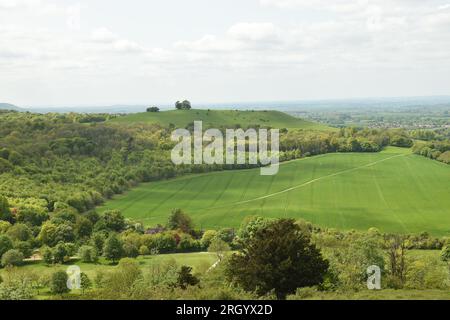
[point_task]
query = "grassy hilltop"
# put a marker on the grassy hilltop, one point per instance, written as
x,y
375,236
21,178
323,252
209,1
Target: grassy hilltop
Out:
x,y
221,118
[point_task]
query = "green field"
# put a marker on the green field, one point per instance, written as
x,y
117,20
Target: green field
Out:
x,y
220,118
392,190
198,261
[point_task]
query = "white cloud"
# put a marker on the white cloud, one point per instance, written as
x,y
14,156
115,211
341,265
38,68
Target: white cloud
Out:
x,y
254,32
44,39
127,46
74,17
103,35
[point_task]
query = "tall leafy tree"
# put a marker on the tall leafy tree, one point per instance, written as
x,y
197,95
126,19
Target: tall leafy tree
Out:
x,y
113,249
278,258
178,220
5,212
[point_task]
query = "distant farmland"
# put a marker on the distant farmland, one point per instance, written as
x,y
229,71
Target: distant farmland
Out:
x,y
393,191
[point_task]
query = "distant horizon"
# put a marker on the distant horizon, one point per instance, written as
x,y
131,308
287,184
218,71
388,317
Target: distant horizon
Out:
x,y
444,98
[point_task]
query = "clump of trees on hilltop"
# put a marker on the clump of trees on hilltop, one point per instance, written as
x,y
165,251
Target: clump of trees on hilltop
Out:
x,y
153,109
183,105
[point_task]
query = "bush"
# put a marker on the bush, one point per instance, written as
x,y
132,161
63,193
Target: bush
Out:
x,y
219,247
164,243
16,290
185,278
188,244
5,244
427,273
47,254
58,283
88,254
85,282
144,250
445,253
130,250
12,258
207,238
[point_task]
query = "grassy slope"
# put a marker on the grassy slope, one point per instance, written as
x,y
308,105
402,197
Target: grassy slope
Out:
x,y
200,262
195,260
393,191
219,118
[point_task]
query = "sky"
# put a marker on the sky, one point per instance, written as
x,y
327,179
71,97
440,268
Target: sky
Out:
x,y
104,52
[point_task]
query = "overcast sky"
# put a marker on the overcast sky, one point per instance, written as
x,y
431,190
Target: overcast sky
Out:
x,y
100,52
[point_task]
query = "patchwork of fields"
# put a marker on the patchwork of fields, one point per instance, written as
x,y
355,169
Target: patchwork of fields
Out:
x,y
393,190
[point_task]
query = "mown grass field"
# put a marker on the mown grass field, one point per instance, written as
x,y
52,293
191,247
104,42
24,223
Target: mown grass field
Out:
x,y
394,191
221,118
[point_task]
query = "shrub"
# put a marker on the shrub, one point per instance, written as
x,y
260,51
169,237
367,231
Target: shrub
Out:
x,y
219,247
185,278
16,290
88,254
207,237
445,253
144,250
130,250
427,273
5,244
47,254
188,244
85,282
58,283
12,258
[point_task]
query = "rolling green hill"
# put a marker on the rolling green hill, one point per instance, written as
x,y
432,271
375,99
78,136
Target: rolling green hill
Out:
x,y
392,190
220,118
